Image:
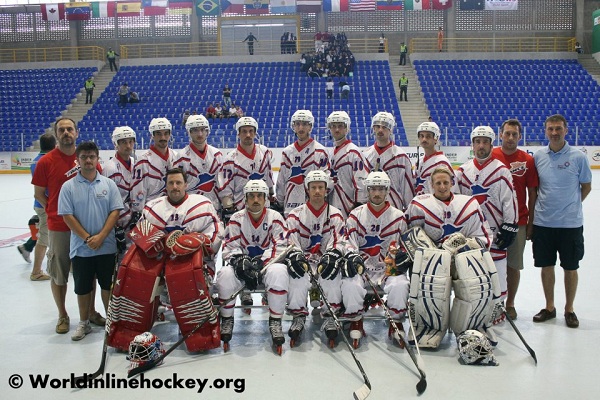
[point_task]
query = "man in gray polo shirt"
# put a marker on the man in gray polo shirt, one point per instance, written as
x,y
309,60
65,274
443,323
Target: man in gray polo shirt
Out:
x,y
565,181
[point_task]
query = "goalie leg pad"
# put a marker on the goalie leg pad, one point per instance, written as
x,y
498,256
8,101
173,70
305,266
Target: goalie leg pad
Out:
x,y
226,285
353,295
190,297
134,300
276,281
416,238
430,288
396,288
476,291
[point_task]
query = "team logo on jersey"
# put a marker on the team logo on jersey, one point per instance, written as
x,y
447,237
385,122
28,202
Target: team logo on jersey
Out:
x,y
254,251
297,175
255,175
420,185
518,168
315,244
480,193
596,155
449,229
206,183
372,247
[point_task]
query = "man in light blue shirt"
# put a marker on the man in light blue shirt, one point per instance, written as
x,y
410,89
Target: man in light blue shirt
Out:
x,y
565,181
90,204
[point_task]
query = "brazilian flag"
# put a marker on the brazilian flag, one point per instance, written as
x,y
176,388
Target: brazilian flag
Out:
x,y
207,7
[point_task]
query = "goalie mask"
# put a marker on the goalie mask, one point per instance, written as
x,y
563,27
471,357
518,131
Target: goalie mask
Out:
x,y
475,349
143,348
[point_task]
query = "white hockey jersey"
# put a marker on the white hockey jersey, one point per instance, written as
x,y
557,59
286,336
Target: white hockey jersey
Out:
x,y
265,238
348,172
121,173
195,214
425,167
439,219
392,160
202,169
296,162
239,167
149,177
371,232
315,231
491,185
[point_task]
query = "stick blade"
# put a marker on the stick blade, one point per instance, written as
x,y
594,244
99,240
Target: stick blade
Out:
x,y
142,368
362,392
421,386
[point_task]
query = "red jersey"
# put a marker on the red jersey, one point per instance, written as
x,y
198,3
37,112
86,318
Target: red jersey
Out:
x,y
524,174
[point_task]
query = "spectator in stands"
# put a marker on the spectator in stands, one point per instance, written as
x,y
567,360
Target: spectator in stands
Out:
x,y
211,111
403,52
232,112
218,111
111,56
250,39
89,89
226,96
578,48
440,38
318,41
403,83
123,94
381,43
134,97
184,117
239,112
303,63
312,73
345,89
329,88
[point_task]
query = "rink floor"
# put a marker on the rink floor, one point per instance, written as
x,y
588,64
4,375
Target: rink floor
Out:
x,y
567,358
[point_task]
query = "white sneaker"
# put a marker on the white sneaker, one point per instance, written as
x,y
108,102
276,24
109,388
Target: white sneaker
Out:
x,y
83,328
24,253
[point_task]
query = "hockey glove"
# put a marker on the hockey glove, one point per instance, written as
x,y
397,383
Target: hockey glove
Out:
x,y
330,264
297,264
352,264
120,237
402,261
275,206
226,214
506,235
135,217
258,262
148,238
244,270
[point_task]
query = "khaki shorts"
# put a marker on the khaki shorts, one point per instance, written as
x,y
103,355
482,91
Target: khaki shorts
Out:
x,y
42,238
59,263
515,250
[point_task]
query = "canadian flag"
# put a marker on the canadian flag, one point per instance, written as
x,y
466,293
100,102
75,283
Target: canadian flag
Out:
x,y
53,12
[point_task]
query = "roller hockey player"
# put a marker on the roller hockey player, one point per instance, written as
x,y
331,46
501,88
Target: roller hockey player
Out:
x,y
428,134
348,169
370,231
200,161
152,166
316,231
298,159
490,182
457,223
178,234
253,237
249,161
385,156
120,169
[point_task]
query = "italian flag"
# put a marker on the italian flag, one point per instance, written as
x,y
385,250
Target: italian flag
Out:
x,y
103,10
417,4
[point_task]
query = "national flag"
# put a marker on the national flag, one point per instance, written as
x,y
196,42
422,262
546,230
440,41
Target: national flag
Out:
x,y
472,5
363,5
53,12
335,5
257,7
502,5
103,10
283,6
78,11
417,4
208,7
154,7
308,6
441,4
232,6
129,9
178,7
390,4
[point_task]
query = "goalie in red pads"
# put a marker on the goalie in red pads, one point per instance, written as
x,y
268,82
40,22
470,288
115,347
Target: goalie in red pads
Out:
x,y
177,237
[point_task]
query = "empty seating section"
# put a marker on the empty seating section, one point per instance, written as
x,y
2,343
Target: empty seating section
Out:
x,y
269,92
463,94
32,99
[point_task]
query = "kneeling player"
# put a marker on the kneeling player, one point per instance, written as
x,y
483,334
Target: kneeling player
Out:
x,y
370,230
456,222
253,237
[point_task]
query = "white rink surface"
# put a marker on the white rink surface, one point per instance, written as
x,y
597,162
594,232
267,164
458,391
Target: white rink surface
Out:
x,y
568,358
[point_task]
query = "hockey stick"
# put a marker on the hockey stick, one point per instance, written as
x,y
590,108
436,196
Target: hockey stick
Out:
x,y
364,391
152,363
422,385
100,371
529,349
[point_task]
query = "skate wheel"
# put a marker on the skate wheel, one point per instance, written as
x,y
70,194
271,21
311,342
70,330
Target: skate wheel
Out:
x,y
248,311
225,347
331,343
355,343
279,349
